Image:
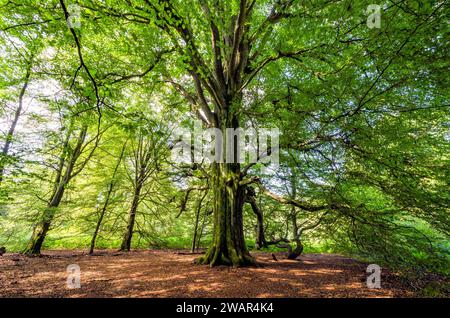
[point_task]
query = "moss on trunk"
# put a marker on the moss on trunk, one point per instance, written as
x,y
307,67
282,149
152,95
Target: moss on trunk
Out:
x,y
228,245
37,239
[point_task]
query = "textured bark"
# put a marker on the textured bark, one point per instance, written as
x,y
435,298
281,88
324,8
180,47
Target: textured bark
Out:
x,y
37,239
228,246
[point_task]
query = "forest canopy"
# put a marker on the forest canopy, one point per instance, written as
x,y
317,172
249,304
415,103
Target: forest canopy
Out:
x,y
92,93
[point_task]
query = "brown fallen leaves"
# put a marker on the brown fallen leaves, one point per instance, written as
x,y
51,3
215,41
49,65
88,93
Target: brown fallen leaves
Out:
x,y
159,273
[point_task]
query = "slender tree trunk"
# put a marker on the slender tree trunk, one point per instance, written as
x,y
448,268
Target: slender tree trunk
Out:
x,y
40,230
194,238
260,237
12,128
205,214
61,181
298,249
97,228
106,203
145,163
197,217
126,242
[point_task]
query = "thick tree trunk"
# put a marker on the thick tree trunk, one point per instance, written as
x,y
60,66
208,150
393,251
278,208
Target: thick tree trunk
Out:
x,y
228,245
126,242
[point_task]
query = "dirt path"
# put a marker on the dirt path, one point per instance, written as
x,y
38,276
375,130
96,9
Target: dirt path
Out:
x,y
168,274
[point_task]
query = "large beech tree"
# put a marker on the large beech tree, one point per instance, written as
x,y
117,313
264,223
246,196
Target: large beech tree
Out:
x,y
330,81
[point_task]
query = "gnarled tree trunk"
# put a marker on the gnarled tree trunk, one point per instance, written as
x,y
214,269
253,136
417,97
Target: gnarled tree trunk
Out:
x,y
228,246
260,237
296,252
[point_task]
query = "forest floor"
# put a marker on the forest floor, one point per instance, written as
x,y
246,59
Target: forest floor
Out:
x,y
169,273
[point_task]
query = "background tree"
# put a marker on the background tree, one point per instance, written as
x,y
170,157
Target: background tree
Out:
x,y
147,158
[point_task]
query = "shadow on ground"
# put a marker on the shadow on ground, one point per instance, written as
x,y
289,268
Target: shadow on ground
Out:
x,y
158,273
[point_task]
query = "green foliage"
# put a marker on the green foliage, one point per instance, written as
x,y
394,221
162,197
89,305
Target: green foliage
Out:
x,y
363,115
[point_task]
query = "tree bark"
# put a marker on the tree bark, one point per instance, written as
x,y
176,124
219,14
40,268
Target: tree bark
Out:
x,y
293,253
126,242
40,230
298,250
228,245
106,203
197,217
224,88
145,163
205,215
61,181
38,236
260,237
